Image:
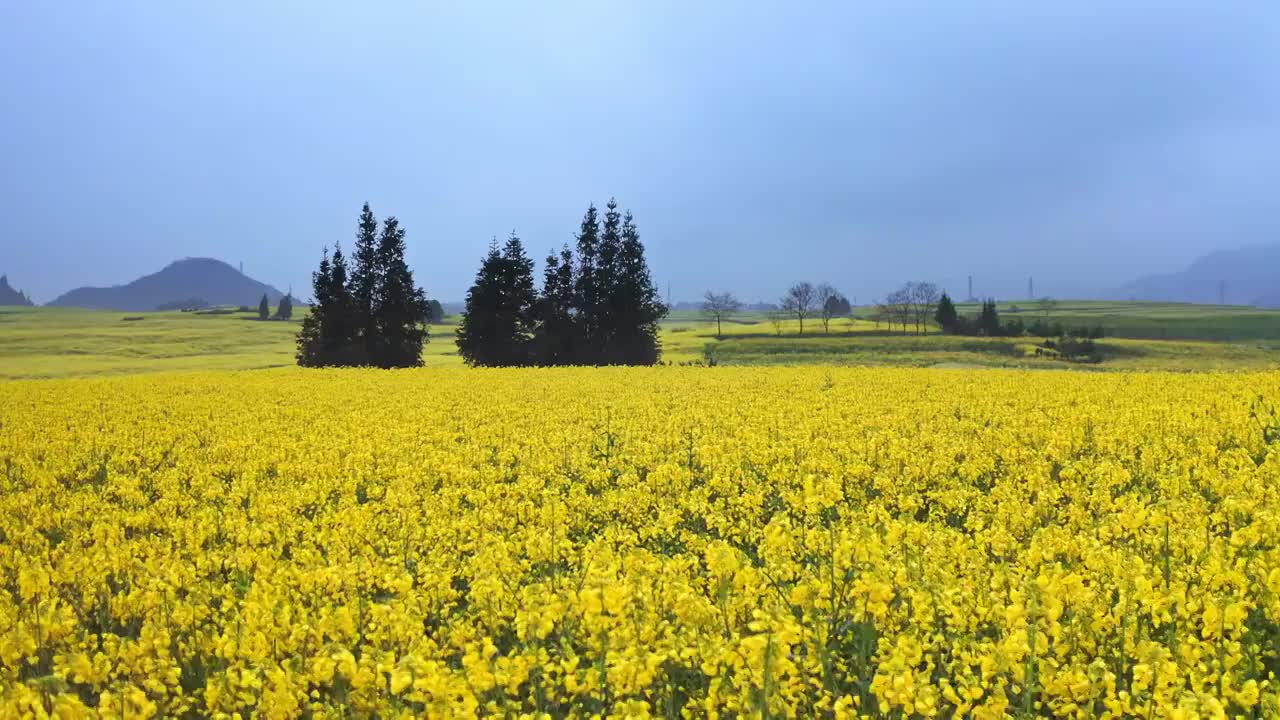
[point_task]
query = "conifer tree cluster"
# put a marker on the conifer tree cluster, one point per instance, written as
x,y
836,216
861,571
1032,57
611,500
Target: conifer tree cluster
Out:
x,y
598,305
368,313
946,316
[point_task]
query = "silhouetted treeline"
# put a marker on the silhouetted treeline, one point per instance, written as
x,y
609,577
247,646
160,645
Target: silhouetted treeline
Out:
x,y
987,322
598,304
370,313
9,296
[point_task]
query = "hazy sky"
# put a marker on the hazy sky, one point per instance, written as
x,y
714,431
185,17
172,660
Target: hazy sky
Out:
x,y
757,143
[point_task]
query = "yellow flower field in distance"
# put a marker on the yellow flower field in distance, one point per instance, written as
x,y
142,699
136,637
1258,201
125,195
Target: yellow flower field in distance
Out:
x,y
669,542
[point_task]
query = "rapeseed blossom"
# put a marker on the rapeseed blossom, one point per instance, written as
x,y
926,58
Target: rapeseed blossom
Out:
x,y
667,542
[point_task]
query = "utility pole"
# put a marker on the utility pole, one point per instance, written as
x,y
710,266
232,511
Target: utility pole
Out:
x,y
970,298
1031,288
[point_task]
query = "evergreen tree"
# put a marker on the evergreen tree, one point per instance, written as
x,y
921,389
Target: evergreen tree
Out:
x,y
311,336
587,298
284,310
340,328
610,299
556,334
946,315
989,319
436,314
522,297
400,309
497,325
638,305
362,286
264,308
478,333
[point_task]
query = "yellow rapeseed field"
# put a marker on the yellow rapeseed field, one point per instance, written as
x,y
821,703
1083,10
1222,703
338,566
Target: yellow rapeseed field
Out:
x,y
671,542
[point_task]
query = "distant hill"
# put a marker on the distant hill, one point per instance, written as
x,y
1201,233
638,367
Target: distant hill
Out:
x,y
9,296
213,281
1244,276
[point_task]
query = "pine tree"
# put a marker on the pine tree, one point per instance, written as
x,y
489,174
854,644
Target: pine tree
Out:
x,y
587,298
478,331
609,283
284,310
341,330
556,334
497,325
639,307
989,319
311,336
363,283
400,309
522,297
946,315
343,343
264,308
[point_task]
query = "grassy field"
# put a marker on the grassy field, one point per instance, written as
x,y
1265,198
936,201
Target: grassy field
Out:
x,y
1155,321
870,348
1141,336
67,342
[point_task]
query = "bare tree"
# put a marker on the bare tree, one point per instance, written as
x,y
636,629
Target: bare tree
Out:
x,y
897,307
776,318
924,298
880,314
719,307
1047,305
826,295
799,302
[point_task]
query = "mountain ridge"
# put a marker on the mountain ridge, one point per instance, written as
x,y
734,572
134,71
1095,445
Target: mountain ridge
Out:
x,y
1238,276
211,280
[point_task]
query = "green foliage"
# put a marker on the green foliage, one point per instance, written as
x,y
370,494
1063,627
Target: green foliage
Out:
x,y
435,312
363,282
988,322
556,335
1074,349
264,308
49,342
836,306
639,308
497,324
399,324
376,315
1157,320
599,307
946,315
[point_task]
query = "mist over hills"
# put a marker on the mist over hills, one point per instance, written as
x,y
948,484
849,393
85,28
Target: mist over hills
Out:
x,y
213,281
1240,276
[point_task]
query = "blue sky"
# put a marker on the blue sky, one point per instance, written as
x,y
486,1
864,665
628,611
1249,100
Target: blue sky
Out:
x,y
757,143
